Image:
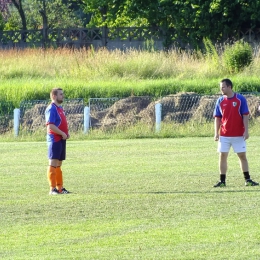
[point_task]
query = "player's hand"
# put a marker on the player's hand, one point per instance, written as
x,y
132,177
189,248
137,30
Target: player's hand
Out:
x,y
246,135
64,136
216,137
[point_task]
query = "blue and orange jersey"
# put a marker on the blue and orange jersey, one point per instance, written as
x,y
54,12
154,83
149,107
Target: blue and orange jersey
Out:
x,y
231,111
55,115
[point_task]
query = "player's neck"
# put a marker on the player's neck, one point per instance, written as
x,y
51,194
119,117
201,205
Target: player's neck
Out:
x,y
56,103
230,95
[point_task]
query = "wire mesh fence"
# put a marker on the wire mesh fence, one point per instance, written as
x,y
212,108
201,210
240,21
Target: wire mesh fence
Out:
x,y
32,114
108,114
6,116
179,108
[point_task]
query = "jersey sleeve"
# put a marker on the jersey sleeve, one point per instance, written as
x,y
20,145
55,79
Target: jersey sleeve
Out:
x,y
244,107
49,116
217,110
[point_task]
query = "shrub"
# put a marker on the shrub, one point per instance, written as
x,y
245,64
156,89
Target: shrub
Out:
x,y
211,54
237,56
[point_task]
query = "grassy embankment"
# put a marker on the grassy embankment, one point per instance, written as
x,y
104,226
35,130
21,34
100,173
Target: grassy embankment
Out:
x,y
30,74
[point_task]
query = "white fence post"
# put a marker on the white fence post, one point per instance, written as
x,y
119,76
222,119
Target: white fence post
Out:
x,y
86,119
16,121
158,116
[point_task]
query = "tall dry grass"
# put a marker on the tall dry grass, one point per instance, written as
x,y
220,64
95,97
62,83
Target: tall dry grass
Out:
x,y
31,73
89,64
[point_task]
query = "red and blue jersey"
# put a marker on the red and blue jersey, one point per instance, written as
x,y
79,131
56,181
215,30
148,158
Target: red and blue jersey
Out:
x,y
231,111
55,115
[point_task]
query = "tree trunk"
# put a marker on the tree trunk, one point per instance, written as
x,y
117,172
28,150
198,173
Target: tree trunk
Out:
x,y
19,7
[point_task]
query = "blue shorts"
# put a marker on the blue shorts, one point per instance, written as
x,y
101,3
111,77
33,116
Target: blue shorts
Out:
x,y
57,150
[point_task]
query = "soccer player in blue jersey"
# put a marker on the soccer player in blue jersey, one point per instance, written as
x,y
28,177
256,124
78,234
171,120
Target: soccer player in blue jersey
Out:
x,y
57,134
231,129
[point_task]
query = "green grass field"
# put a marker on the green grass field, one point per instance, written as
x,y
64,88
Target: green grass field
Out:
x,y
131,199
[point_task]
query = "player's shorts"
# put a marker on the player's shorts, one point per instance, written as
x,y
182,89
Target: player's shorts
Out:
x,y
238,144
57,150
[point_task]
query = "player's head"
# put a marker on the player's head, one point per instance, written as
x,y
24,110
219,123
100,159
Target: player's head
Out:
x,y
56,95
228,82
226,86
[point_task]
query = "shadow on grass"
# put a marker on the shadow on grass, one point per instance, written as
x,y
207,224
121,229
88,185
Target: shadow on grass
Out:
x,y
200,192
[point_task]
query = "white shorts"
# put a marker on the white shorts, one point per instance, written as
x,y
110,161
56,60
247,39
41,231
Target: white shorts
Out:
x,y
238,144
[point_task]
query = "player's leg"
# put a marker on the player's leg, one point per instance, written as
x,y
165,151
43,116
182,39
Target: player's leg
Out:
x,y
53,155
223,168
59,174
223,163
59,178
245,169
243,161
239,146
51,175
223,149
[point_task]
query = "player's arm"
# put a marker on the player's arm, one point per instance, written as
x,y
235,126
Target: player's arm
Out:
x,y
245,121
217,127
217,115
56,130
245,112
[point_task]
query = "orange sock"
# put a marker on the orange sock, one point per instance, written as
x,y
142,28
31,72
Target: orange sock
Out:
x,y
59,179
51,174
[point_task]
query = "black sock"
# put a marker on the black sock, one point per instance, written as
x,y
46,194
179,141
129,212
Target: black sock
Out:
x,y
223,177
246,175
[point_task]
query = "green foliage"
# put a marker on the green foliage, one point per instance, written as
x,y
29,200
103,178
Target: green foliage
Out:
x,y
2,23
59,15
14,20
149,45
112,13
31,73
211,53
188,20
192,20
6,107
237,56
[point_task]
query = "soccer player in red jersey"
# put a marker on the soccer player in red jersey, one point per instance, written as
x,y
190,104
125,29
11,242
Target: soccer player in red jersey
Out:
x,y
57,134
231,129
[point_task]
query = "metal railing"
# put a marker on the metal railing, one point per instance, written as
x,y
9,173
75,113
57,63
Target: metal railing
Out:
x,y
97,37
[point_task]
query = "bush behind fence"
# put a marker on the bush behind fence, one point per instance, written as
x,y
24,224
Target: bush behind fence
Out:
x,y
108,114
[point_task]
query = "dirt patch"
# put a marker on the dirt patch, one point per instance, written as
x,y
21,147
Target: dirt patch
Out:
x,y
253,104
124,112
205,109
34,118
178,108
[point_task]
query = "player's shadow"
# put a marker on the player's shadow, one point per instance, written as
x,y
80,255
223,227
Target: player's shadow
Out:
x,y
201,192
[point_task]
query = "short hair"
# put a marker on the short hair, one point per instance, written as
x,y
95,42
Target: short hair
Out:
x,y
228,82
54,92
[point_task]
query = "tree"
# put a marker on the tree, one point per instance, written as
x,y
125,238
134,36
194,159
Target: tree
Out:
x,y
56,13
4,7
76,7
111,13
2,23
215,19
18,5
193,19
